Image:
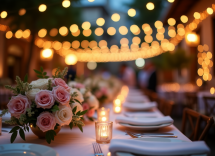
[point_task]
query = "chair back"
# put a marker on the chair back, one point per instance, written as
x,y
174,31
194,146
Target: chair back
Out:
x,y
196,121
192,100
165,106
209,107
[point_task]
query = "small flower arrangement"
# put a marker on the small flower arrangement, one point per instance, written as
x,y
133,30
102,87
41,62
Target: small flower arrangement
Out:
x,y
45,103
90,102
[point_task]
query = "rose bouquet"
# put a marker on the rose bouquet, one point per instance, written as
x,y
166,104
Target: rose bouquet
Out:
x,y
90,102
46,104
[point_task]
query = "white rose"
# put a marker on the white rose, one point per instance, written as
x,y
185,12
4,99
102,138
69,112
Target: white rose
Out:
x,y
64,115
32,93
40,84
88,94
80,97
83,90
72,83
93,102
79,107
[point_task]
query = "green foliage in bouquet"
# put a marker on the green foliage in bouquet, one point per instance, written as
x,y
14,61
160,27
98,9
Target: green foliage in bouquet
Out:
x,y
30,117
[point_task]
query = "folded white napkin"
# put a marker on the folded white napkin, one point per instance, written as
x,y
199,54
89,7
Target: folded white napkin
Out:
x,y
158,148
6,117
144,121
139,106
137,99
141,114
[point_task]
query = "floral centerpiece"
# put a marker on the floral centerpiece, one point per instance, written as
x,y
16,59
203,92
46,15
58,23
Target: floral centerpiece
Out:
x,y
89,101
45,104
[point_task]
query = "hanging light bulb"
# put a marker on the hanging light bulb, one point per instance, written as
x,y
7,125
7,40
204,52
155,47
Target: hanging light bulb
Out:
x,y
42,8
66,3
71,59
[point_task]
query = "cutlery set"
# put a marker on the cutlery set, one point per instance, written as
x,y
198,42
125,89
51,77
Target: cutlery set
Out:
x,y
133,135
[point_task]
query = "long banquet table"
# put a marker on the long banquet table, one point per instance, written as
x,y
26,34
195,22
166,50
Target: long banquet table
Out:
x,y
75,143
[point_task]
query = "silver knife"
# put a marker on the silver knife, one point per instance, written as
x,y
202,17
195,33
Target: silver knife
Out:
x,y
141,136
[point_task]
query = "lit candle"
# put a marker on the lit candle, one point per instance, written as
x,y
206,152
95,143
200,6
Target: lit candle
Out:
x,y
103,132
117,109
117,102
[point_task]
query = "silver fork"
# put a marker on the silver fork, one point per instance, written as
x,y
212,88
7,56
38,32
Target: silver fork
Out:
x,y
97,149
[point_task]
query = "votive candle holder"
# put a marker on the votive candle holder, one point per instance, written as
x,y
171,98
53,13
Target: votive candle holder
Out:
x,y
103,132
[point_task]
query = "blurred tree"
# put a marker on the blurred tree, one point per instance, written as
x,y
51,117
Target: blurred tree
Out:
x,y
55,16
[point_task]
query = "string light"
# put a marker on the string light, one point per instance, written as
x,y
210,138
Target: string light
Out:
x,y
140,62
66,3
91,0
86,25
158,24
18,33
53,32
74,28
184,19
123,30
210,11
77,33
91,65
150,6
46,54
84,44
42,8
87,32
99,31
115,17
100,21
42,33
171,21
171,1
134,28
131,12
3,14
76,44
197,15
71,59
26,33
63,31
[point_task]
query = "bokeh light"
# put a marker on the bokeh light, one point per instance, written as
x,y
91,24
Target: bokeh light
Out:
x,y
115,17
111,31
131,12
18,33
76,33
199,82
3,14
150,6
123,30
158,24
42,8
212,90
87,32
171,21
171,1
84,44
47,53
100,21
99,31
63,31
22,12
66,3
26,33
53,32
91,65
134,28
75,44
210,11
42,33
140,62
86,25
184,19
91,0
71,59
9,34
197,15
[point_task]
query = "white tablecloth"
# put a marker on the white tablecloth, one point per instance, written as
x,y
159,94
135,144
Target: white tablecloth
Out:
x,y
75,143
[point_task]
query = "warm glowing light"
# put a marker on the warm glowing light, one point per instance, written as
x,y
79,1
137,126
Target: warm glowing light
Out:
x,y
74,28
18,34
172,33
91,65
75,44
209,55
197,15
212,90
91,0
148,38
200,48
199,82
131,12
3,14
123,30
117,102
136,40
84,44
100,21
200,72
117,109
42,33
102,44
26,33
87,32
42,8
22,12
47,44
63,31
71,59
66,45
184,19
158,24
66,3
86,25
111,31
150,6
171,21
210,11
104,119
9,34
57,45
159,36
47,53
134,28
115,17
171,1
53,32
205,47
192,39
99,31
140,62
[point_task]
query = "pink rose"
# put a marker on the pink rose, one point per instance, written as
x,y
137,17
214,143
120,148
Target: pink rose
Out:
x,y
61,95
46,121
90,112
79,85
61,82
85,106
104,90
98,94
18,105
44,99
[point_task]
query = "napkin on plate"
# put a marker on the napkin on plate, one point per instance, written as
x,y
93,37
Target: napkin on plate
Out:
x,y
139,106
158,148
144,121
6,117
137,98
141,114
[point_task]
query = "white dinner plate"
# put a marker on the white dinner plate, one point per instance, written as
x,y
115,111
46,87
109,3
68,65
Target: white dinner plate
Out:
x,y
146,128
21,149
139,106
154,139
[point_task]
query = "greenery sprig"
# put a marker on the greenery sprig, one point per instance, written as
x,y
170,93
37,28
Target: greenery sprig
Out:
x,y
60,74
41,73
